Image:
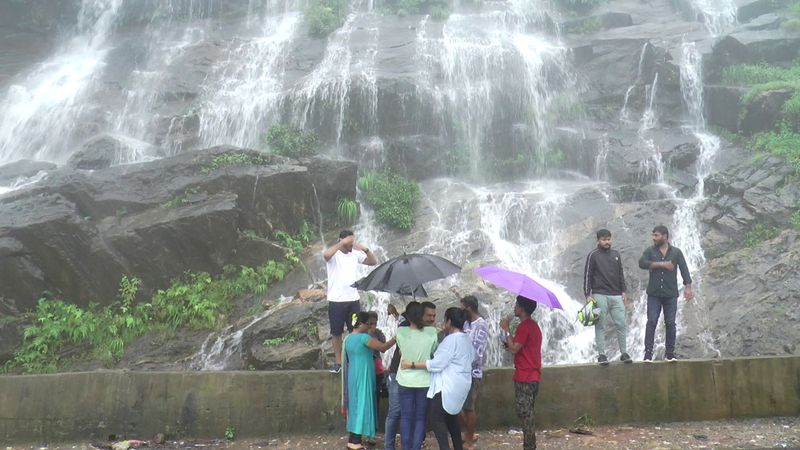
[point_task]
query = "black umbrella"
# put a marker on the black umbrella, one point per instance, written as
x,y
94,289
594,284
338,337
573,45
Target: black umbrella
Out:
x,y
405,274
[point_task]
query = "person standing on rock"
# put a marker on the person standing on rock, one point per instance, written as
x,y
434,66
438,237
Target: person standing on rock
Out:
x,y
341,261
526,345
662,289
604,280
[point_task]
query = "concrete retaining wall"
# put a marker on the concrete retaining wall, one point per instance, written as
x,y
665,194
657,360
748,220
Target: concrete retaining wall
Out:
x,y
78,406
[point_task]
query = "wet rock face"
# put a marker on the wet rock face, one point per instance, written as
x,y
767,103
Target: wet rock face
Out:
x,y
78,232
751,298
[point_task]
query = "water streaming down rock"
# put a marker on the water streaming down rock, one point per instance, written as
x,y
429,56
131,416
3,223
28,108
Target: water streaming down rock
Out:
x,y
33,111
624,114
688,229
718,16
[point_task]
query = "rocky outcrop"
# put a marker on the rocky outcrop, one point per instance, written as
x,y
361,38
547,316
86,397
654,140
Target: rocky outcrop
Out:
x,y
76,233
743,195
291,336
750,295
764,112
101,152
24,168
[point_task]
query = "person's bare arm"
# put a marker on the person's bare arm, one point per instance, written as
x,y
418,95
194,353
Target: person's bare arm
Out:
x,y
380,346
330,251
370,260
511,345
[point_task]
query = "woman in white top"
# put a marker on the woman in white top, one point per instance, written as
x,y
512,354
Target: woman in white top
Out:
x,y
451,377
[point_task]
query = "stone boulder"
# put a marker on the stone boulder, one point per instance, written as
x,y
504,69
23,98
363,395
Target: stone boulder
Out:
x,y
741,196
24,168
76,233
764,112
634,158
102,152
748,302
290,336
723,104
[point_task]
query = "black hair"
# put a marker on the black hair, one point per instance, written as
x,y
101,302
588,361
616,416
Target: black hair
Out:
x,y
428,305
373,314
456,316
471,302
344,233
527,304
414,313
360,317
601,233
661,229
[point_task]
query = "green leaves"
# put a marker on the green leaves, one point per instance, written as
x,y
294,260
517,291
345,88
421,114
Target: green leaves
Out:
x,y
346,211
393,197
292,142
325,16
196,301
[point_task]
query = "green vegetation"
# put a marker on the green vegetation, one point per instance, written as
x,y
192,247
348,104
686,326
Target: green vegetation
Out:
x,y
763,78
236,158
274,342
61,330
794,221
759,233
179,200
793,24
393,197
230,433
325,16
292,142
438,9
784,143
346,211
584,421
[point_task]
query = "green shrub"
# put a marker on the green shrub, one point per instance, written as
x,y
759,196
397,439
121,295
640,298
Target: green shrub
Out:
x,y
289,141
784,143
791,25
794,221
346,211
393,198
759,233
325,16
196,301
750,74
236,158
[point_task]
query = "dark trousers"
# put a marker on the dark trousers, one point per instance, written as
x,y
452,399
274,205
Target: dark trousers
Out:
x,y
654,307
413,413
444,424
525,394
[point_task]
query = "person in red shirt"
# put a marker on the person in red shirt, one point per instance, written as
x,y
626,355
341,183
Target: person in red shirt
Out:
x,y
526,345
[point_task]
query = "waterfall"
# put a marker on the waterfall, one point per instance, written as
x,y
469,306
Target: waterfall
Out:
x,y
247,94
34,110
624,114
688,231
718,16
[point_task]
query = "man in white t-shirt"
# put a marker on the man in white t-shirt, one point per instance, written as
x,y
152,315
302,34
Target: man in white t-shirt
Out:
x,y
342,260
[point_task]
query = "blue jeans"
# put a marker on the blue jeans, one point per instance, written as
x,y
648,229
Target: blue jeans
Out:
x,y
654,307
393,415
413,414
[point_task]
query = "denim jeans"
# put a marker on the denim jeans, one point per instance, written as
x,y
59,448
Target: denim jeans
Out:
x,y
413,414
654,307
393,415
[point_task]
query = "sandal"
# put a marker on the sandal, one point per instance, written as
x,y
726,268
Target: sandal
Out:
x,y
355,446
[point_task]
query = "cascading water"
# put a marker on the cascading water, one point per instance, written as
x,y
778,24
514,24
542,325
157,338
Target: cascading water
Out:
x,y
718,16
687,225
34,110
624,114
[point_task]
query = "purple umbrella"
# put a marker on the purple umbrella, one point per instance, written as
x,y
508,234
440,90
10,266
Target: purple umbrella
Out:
x,y
519,284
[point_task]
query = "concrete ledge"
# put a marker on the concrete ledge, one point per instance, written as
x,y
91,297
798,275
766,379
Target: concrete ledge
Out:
x,y
77,406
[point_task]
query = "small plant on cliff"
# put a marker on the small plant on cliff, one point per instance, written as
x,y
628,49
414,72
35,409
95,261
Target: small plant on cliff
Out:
x,y
238,158
784,143
292,142
794,221
346,211
759,233
230,433
325,16
393,197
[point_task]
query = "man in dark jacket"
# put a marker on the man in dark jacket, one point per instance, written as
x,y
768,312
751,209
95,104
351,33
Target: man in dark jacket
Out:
x,y
662,289
604,280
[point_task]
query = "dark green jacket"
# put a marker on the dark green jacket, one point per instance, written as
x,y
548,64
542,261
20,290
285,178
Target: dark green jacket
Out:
x,y
664,283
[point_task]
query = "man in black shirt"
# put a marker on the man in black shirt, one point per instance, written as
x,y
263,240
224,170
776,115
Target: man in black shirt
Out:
x,y
604,280
662,289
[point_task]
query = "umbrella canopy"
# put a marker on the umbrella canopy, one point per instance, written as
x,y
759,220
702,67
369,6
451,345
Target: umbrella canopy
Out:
x,y
405,274
519,284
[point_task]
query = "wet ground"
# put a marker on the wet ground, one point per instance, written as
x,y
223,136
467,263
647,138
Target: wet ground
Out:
x,y
776,432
